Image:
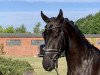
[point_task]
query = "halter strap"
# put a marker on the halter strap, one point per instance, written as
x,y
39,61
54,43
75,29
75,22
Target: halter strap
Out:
x,y
52,27
50,50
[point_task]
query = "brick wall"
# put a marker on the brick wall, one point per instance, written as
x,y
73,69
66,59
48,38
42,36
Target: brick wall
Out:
x,y
25,49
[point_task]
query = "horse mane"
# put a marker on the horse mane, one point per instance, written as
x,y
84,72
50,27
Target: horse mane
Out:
x,y
81,35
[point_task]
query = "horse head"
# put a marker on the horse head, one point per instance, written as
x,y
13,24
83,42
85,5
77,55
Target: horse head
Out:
x,y
54,36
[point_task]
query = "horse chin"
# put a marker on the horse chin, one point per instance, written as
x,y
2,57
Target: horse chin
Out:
x,y
48,69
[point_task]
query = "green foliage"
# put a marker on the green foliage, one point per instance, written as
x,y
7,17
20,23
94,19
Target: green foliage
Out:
x,y
13,67
2,52
36,28
1,29
21,29
42,30
89,24
9,29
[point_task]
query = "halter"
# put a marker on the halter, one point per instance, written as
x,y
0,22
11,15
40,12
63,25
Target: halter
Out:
x,y
61,34
56,56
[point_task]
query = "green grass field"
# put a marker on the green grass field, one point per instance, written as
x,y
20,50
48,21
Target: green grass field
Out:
x,y
36,63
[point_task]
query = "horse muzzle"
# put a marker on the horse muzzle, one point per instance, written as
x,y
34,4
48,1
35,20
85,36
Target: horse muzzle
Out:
x,y
49,64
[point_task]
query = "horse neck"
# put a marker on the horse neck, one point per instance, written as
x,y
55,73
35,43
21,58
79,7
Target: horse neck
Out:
x,y
77,47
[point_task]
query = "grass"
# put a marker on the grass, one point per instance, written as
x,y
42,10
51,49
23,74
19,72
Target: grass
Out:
x,y
36,63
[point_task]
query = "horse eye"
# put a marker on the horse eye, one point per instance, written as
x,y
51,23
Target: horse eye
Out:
x,y
51,26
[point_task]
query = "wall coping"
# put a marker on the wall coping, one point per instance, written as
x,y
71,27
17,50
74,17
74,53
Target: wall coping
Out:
x,y
32,35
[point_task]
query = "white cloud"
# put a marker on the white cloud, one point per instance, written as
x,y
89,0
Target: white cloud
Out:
x,y
67,1
31,18
71,14
17,18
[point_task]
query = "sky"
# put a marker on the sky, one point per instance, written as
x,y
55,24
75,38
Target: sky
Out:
x,y
27,12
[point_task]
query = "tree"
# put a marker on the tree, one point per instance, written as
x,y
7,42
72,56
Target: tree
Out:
x,y
9,29
36,29
42,30
1,29
89,24
21,29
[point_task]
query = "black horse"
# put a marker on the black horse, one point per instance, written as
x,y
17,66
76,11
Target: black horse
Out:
x,y
62,35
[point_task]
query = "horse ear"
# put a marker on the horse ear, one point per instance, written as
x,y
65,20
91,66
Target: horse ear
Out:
x,y
44,17
60,16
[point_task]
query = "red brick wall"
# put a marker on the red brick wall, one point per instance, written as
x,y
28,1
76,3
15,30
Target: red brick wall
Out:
x,y
25,49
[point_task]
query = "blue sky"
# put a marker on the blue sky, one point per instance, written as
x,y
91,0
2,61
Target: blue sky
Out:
x,y
27,12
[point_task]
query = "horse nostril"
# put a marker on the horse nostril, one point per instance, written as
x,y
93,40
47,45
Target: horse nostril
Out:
x,y
47,65
54,60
